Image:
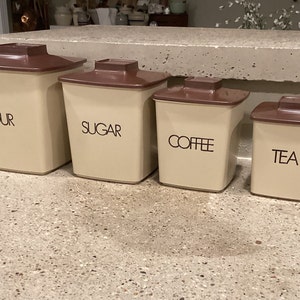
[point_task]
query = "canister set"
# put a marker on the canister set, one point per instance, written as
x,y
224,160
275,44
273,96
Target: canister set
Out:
x,y
119,123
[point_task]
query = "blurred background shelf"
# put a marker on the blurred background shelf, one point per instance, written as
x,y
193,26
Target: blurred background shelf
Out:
x,y
176,20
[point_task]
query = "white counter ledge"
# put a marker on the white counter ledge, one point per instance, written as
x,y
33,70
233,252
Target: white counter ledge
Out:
x,y
226,53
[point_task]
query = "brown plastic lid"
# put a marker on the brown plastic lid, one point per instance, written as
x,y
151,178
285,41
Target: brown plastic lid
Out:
x,y
202,90
117,73
33,58
287,110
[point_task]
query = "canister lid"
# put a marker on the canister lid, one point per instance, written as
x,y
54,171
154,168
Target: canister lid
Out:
x,y
202,90
33,58
117,73
287,110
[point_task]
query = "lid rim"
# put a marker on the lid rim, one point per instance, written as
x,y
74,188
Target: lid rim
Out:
x,y
47,69
118,73
277,121
270,112
104,84
34,58
221,96
199,101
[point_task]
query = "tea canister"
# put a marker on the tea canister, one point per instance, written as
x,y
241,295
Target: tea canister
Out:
x,y
276,149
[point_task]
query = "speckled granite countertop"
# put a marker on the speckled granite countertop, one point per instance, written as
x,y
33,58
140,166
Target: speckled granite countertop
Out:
x,y
64,237
226,53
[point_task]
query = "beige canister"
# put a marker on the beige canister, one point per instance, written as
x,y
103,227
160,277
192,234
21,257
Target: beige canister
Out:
x,y
33,126
111,120
198,133
276,149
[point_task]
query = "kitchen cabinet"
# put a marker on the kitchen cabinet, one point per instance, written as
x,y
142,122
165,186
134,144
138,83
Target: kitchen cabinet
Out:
x,y
176,20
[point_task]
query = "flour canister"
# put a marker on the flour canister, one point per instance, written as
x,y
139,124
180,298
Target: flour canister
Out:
x,y
33,128
198,133
276,149
111,120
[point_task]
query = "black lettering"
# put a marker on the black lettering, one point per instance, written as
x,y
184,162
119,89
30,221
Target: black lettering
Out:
x,y
204,143
110,130
7,119
195,143
117,130
282,156
86,126
10,118
100,128
293,157
207,145
103,130
275,157
188,145
170,142
2,120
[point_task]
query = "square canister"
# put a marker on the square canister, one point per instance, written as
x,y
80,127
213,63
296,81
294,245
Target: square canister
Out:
x,y
198,133
33,127
111,120
276,149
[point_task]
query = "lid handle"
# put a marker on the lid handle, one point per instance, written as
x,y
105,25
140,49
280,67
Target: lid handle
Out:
x,y
203,83
23,49
120,65
289,103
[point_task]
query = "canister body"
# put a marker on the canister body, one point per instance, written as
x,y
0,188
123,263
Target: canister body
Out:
x,y
275,160
197,144
33,126
112,131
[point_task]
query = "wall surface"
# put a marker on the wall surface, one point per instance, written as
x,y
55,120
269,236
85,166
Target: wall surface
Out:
x,y
206,13
4,25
